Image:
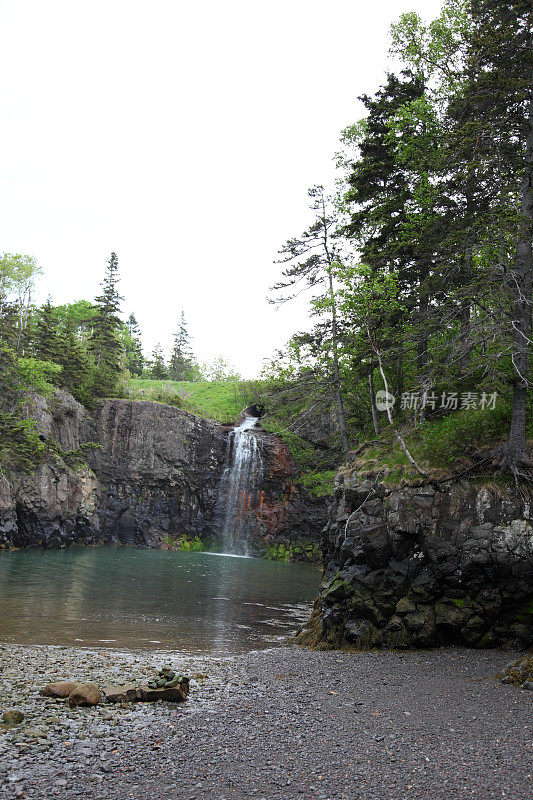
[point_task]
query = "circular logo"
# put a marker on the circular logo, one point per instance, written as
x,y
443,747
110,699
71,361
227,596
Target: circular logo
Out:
x,y
384,400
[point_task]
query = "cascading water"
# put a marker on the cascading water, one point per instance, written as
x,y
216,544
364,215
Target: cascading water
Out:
x,y
239,487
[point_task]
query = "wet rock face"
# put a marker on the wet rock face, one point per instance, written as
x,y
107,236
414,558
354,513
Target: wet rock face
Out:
x,y
420,566
285,516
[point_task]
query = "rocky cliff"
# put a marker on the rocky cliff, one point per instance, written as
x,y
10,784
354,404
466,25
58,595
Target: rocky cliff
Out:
x,y
422,565
158,469
153,475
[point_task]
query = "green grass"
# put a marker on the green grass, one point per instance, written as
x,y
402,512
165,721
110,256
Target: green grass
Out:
x,y
319,484
221,401
448,446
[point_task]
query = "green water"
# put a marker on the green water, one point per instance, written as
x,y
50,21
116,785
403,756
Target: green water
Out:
x,y
126,598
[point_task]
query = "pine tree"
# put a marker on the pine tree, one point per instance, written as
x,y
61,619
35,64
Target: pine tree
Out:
x,y
133,346
379,198
495,112
158,369
49,344
77,371
105,341
182,362
312,259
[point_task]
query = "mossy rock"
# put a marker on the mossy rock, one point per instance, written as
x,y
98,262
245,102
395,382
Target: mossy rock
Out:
x,y
518,672
12,717
338,590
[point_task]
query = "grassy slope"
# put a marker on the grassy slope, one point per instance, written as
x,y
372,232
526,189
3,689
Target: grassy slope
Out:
x,y
460,443
222,401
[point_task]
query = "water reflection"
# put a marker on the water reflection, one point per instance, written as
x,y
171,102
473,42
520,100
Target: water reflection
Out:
x,y
123,597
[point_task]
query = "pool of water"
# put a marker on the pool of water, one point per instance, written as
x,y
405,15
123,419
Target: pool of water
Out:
x,y
127,598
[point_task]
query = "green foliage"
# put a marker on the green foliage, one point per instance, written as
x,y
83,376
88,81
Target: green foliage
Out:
x,y
319,484
18,274
37,376
182,365
158,367
443,447
195,544
182,543
307,457
219,369
131,342
301,551
21,446
79,316
105,344
168,395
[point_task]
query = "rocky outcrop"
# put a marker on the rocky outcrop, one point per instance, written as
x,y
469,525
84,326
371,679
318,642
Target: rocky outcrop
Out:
x,y
423,565
55,505
153,473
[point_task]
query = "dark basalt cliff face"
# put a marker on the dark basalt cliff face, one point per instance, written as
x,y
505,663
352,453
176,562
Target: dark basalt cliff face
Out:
x,y
420,566
154,474
54,506
158,468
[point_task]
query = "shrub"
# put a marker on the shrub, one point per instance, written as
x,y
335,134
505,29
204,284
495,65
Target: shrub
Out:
x,y
444,442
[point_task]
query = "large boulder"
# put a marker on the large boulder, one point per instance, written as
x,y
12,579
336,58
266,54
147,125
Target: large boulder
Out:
x,y
12,717
59,688
130,693
84,694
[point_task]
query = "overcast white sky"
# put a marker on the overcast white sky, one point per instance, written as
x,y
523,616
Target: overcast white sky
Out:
x,y
184,136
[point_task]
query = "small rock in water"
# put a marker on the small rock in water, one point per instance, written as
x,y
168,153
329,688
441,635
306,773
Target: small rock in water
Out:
x,y
12,716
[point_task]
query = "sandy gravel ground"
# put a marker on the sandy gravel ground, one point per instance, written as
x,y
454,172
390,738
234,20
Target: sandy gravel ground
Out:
x,y
286,723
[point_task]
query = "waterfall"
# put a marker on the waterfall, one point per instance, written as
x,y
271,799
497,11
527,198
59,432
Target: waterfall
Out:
x,y
239,488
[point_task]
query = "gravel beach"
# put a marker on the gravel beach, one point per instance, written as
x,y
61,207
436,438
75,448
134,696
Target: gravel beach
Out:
x,y
282,723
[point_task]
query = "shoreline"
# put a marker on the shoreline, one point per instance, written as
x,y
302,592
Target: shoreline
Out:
x,y
284,722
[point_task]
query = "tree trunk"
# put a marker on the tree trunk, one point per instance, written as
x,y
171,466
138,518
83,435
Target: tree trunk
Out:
x,y
521,285
389,413
464,338
375,418
422,354
341,417
399,373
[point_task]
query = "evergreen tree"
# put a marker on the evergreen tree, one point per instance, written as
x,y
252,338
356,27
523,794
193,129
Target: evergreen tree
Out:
x,y
495,111
158,367
77,372
133,346
312,258
479,56
48,343
380,199
105,343
182,362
